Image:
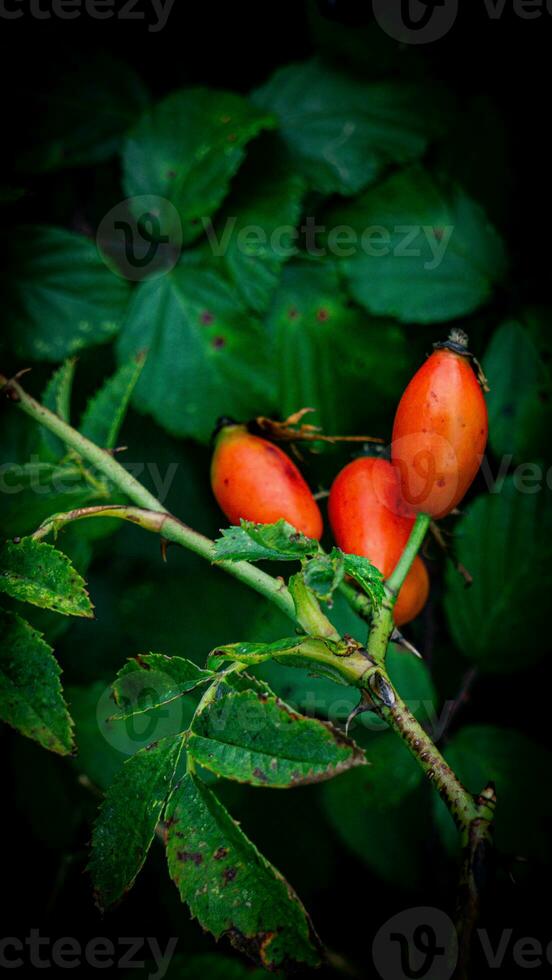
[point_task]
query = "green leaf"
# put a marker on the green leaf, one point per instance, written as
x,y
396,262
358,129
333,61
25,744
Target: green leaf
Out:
x,y
126,823
207,351
153,679
80,116
104,742
255,738
367,576
516,376
105,412
61,297
186,149
504,541
57,397
342,133
255,231
324,574
36,572
480,754
424,251
232,889
257,542
380,812
320,657
323,346
31,698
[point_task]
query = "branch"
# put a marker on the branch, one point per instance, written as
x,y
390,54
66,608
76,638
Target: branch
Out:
x,y
171,528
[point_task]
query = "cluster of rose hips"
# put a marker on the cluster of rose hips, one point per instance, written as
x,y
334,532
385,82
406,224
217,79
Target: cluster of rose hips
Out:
x,y
438,442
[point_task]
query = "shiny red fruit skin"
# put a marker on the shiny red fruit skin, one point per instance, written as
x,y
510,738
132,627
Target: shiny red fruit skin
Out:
x,y
255,480
369,518
439,434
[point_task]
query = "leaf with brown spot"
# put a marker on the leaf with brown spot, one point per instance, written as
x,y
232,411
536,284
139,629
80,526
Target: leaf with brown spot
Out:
x,y
239,736
234,891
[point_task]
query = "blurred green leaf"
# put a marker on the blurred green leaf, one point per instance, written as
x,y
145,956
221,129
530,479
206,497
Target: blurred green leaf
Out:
x,y
214,966
31,698
105,412
480,754
324,347
504,541
259,740
81,113
424,251
517,378
379,811
206,352
186,149
36,572
57,397
256,542
60,297
31,492
258,223
342,133
231,889
126,823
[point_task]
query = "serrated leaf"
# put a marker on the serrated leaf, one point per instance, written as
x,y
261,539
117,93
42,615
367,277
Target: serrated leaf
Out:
x,y
480,754
57,397
320,657
31,698
61,297
255,738
152,680
36,572
230,888
254,234
504,541
367,576
430,255
208,351
106,410
257,542
342,133
516,375
186,149
324,574
126,823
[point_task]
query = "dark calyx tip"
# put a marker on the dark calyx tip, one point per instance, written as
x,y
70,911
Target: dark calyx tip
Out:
x,y
223,422
457,341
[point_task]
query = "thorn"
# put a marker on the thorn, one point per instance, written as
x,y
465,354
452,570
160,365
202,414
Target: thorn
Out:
x,y
397,637
359,710
117,449
164,543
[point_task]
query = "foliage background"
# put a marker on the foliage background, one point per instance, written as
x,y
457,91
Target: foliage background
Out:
x,y
482,133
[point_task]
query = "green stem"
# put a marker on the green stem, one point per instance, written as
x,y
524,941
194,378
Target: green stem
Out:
x,y
172,529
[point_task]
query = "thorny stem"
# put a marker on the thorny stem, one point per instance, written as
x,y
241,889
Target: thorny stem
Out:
x,y
473,815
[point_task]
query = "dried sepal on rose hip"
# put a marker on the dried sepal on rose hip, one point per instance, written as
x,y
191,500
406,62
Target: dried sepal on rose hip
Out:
x,y
254,480
440,430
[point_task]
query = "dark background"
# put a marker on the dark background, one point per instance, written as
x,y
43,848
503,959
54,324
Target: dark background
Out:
x,y
237,46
